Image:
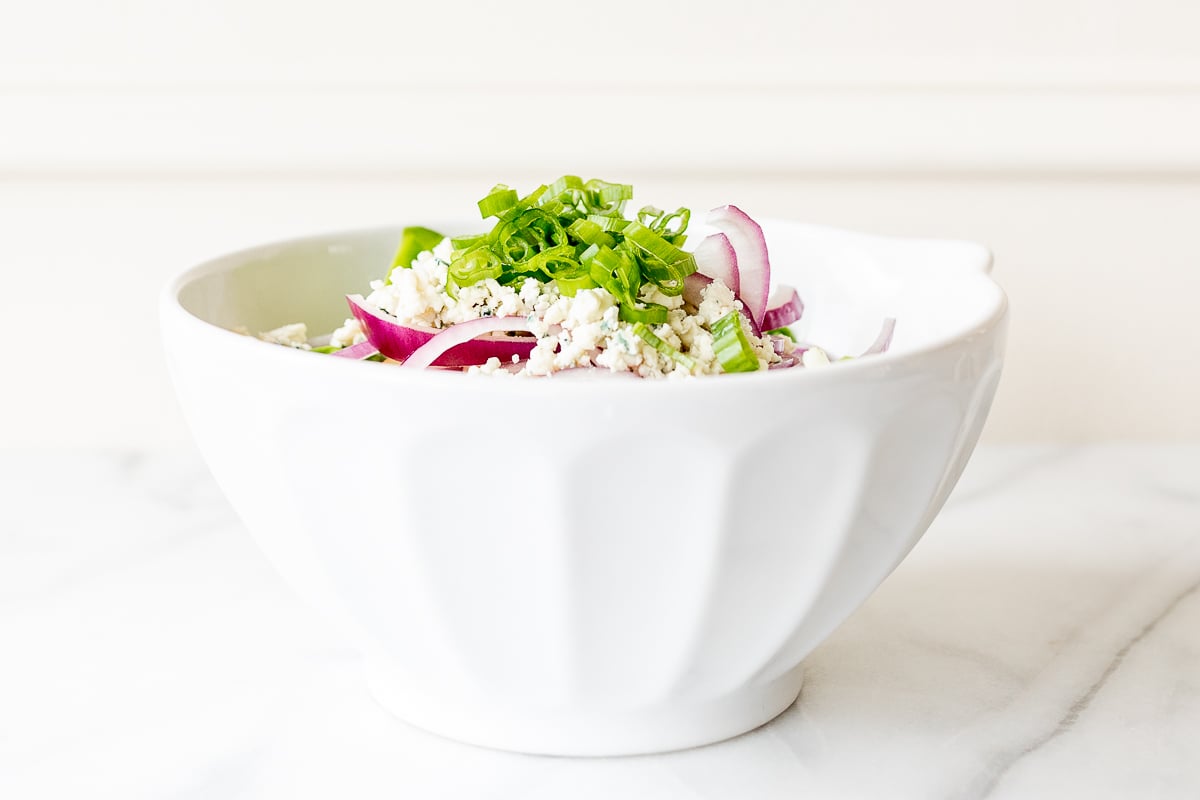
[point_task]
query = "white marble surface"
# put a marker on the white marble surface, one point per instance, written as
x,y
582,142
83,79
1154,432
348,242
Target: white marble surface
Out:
x,y
1042,641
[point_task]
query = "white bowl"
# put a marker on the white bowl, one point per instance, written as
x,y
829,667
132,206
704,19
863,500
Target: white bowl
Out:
x,y
590,567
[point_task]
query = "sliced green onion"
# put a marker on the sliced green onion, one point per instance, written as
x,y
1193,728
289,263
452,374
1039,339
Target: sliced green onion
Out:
x,y
652,243
551,261
467,242
666,265
649,337
733,349
533,198
607,198
615,271
649,313
569,185
521,238
785,331
673,224
413,242
573,277
474,266
649,215
590,233
608,223
499,200
574,232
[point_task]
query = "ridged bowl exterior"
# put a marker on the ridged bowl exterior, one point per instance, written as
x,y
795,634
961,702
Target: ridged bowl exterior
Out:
x,y
593,566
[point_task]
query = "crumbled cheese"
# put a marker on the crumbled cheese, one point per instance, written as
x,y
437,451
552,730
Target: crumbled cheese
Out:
x,y
814,357
350,333
294,335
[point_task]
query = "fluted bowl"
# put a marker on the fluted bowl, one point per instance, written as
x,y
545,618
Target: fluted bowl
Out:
x,y
590,567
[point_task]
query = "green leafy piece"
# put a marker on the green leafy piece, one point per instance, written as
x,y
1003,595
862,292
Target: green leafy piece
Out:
x,y
414,241
326,348
733,349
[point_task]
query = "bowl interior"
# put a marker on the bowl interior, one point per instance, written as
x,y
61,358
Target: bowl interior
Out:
x,y
936,289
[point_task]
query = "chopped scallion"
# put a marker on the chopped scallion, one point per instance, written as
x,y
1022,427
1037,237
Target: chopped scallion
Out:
x,y
733,349
643,332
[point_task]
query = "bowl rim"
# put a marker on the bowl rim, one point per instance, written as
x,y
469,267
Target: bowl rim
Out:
x,y
172,312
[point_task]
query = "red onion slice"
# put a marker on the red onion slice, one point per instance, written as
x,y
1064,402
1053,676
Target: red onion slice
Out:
x,y
693,288
357,351
784,308
716,259
884,340
460,334
787,362
398,342
750,247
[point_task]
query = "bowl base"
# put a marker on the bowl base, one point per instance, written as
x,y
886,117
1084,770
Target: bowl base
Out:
x,y
585,732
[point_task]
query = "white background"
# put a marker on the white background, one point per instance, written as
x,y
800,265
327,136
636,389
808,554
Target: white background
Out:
x,y
139,137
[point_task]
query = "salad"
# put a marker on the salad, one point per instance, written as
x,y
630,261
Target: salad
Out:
x,y
566,280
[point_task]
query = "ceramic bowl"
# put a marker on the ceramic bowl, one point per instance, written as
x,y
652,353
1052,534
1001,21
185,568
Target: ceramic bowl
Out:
x,y
590,567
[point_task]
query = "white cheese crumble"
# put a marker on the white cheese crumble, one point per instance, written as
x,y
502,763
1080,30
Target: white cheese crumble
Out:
x,y
293,335
814,357
350,333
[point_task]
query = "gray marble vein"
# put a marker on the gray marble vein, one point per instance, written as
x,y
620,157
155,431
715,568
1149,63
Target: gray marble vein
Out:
x,y
989,783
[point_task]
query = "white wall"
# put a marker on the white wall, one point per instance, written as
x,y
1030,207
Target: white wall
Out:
x,y
138,137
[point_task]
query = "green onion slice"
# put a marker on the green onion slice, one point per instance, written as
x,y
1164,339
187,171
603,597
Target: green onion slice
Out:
x,y
784,331
499,200
733,349
572,276
664,263
608,223
607,198
590,233
461,243
615,271
474,266
649,337
649,313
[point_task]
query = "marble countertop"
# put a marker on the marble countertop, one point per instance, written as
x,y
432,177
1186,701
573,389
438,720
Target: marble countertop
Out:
x,y
1043,640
